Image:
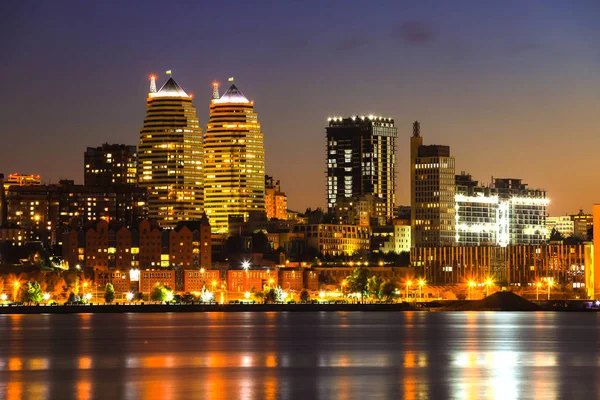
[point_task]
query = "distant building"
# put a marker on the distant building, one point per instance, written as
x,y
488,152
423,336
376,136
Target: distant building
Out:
x,y
522,264
44,208
334,239
367,210
198,279
234,168
563,224
22,180
361,160
582,224
505,212
105,246
150,278
110,164
432,193
170,156
275,199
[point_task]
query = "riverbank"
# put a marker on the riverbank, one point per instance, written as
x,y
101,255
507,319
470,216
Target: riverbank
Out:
x,y
162,308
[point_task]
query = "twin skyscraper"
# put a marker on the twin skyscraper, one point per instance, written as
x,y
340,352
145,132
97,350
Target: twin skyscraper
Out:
x,y
188,173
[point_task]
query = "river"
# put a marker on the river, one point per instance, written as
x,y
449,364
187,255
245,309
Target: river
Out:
x,y
301,355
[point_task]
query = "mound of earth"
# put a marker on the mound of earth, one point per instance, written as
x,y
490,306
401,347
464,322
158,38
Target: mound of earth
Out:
x,y
500,301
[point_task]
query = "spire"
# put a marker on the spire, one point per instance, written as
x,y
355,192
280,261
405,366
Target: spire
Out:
x,y
215,90
416,129
152,83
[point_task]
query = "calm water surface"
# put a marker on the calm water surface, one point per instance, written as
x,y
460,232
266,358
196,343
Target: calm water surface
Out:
x,y
345,355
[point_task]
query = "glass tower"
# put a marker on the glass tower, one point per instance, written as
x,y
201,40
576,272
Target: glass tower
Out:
x,y
361,160
234,155
170,156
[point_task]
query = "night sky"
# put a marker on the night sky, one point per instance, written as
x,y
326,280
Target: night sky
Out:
x,y
511,86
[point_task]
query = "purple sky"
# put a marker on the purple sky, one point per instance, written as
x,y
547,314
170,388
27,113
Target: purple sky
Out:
x,y
512,87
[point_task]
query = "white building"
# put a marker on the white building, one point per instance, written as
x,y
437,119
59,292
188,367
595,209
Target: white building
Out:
x,y
563,224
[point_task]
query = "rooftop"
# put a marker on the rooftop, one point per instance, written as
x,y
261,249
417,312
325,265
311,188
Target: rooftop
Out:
x,y
232,95
170,89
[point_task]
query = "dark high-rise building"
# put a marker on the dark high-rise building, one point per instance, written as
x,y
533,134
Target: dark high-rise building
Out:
x,y
3,207
361,159
110,164
432,192
42,209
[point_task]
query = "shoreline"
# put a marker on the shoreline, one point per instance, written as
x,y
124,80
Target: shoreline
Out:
x,y
187,308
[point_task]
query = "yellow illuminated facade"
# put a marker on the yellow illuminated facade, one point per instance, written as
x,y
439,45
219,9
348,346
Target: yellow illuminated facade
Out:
x,y
170,156
234,160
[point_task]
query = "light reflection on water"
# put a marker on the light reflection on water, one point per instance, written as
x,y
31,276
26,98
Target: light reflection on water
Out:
x,y
300,355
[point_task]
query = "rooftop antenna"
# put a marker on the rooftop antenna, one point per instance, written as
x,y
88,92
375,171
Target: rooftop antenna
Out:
x,y
152,83
215,90
416,129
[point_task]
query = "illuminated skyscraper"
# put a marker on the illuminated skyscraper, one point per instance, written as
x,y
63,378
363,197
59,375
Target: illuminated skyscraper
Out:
x,y
234,159
432,191
170,155
361,161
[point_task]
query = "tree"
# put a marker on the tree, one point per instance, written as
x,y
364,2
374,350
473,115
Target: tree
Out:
x,y
109,293
160,293
374,286
73,298
304,296
33,293
387,290
555,236
260,296
260,243
357,281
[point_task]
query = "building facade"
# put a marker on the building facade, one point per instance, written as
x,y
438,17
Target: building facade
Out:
x,y
505,212
335,239
110,164
563,224
432,192
234,160
170,156
22,180
361,160
275,199
367,210
43,209
105,246
513,264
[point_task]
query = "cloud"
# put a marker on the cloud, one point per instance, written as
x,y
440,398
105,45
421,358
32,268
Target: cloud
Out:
x,y
415,32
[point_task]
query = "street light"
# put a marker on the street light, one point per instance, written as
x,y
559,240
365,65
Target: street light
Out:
x,y
246,265
46,296
408,283
488,283
129,296
538,285
471,284
550,283
247,295
421,284
16,286
3,297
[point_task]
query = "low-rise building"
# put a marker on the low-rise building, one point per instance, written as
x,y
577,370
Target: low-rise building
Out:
x,y
197,279
251,280
149,278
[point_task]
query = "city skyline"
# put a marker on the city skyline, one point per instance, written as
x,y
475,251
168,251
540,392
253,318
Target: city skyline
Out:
x,y
515,82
